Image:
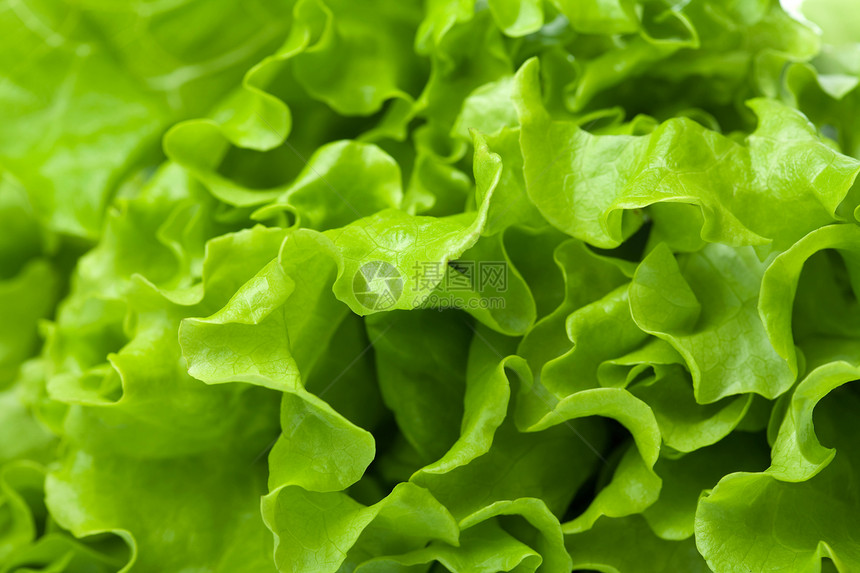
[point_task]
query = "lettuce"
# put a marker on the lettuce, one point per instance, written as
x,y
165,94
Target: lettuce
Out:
x,y
455,285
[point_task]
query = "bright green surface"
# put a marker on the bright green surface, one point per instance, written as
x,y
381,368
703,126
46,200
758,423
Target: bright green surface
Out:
x,y
245,324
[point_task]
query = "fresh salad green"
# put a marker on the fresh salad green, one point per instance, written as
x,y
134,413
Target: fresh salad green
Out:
x,y
402,286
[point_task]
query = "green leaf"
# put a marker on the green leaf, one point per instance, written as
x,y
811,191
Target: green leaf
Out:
x,y
567,171
493,459
685,424
684,479
705,306
420,363
587,278
623,544
757,520
82,108
484,547
154,505
24,300
412,287
780,285
341,182
486,284
634,486
517,18
328,530
599,332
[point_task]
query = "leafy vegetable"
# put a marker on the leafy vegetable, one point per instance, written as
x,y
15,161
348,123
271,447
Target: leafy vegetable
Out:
x,y
399,286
